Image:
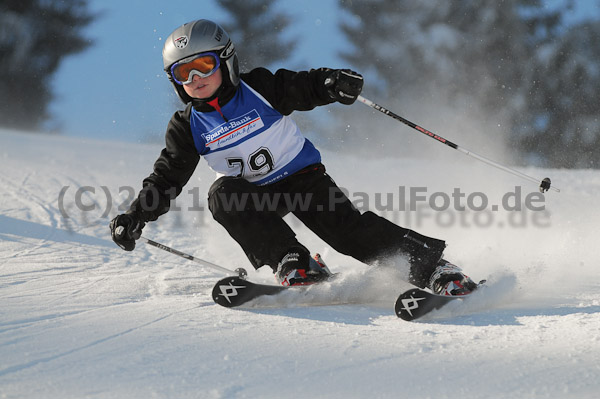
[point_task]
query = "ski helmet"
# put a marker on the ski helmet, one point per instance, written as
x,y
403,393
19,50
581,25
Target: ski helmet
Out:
x,y
199,37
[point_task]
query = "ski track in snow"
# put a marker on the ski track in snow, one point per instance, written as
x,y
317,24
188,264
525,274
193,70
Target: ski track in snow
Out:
x,y
82,319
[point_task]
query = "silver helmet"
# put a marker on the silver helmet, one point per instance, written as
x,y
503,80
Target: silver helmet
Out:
x,y
199,37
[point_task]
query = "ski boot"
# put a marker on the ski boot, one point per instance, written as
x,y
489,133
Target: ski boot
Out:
x,y
298,268
449,280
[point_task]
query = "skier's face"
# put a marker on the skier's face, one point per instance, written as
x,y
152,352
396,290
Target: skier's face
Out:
x,y
204,87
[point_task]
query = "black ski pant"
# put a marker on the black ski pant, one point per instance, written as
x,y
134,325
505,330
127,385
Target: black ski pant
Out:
x,y
253,216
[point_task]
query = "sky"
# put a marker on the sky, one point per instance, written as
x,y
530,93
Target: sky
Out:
x,y
117,90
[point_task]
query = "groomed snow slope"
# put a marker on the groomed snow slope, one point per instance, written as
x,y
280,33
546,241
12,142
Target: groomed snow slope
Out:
x,y
79,318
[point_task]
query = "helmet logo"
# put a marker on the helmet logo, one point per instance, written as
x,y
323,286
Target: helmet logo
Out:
x,y
228,50
181,42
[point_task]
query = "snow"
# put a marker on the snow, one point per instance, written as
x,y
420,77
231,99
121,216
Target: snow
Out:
x,y
82,319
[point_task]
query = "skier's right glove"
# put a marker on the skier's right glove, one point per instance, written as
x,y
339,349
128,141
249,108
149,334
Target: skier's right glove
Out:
x,y
125,229
344,85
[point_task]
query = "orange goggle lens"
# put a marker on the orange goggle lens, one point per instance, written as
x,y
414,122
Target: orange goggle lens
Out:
x,y
203,65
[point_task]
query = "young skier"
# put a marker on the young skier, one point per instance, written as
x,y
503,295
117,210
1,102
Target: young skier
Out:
x,y
239,123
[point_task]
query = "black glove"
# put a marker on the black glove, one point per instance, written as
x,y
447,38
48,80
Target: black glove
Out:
x,y
125,229
344,85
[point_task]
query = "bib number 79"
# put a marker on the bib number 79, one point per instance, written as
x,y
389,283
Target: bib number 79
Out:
x,y
260,162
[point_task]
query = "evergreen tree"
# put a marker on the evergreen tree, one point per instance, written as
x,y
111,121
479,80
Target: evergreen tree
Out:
x,y
35,36
562,128
257,32
458,63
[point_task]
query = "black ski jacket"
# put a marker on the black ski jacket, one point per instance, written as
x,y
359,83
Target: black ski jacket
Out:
x,y
286,91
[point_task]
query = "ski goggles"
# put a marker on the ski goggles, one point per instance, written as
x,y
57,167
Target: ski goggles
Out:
x,y
203,65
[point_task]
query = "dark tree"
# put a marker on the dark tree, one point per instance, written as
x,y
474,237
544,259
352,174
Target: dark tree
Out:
x,y
257,32
562,125
451,63
35,36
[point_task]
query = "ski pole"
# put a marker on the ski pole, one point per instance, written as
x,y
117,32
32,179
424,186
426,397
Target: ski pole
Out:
x,y
545,183
241,272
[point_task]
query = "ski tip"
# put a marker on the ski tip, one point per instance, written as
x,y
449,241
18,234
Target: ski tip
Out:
x,y
226,291
408,305
235,291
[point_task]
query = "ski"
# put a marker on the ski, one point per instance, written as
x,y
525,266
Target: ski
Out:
x,y
416,303
235,291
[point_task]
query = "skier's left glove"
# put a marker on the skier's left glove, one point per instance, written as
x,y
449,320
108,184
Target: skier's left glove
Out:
x,y
344,85
125,229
